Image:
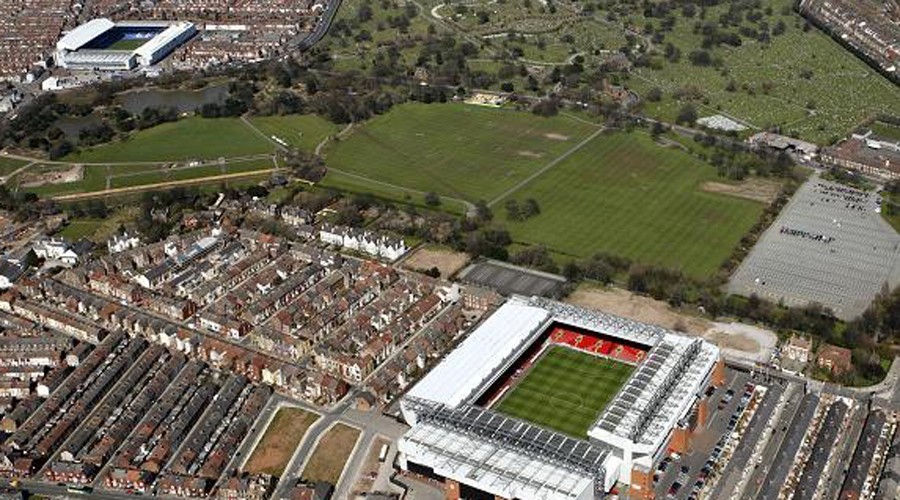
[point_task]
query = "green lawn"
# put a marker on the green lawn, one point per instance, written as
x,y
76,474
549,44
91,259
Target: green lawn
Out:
x,y
9,165
340,181
886,130
457,150
303,132
566,390
186,139
180,174
626,195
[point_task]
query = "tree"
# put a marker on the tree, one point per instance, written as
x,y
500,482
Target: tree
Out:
x,y
530,208
512,210
687,114
432,199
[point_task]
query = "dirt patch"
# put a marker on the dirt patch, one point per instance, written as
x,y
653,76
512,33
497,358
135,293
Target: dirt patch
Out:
x,y
738,339
624,303
44,175
274,450
756,189
448,262
328,460
529,154
369,472
727,341
557,137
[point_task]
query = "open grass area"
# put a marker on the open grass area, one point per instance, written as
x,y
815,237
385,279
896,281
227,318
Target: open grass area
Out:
x,y
626,195
566,390
190,138
97,177
886,130
303,132
331,454
185,173
10,165
277,446
340,181
457,150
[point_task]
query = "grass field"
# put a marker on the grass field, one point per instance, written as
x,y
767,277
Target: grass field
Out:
x,y
275,449
456,150
95,176
190,138
566,390
9,165
626,195
303,132
331,454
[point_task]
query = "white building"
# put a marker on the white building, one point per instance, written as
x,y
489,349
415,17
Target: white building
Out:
x,y
56,250
466,444
122,242
73,50
360,240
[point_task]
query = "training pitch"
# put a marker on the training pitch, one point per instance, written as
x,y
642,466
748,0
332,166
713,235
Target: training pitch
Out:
x,y
565,390
457,150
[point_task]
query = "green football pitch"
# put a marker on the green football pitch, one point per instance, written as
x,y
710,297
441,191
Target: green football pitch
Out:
x,y
565,390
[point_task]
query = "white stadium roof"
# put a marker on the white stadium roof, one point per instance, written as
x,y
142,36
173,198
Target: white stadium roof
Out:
x,y
636,423
161,40
505,456
481,355
78,37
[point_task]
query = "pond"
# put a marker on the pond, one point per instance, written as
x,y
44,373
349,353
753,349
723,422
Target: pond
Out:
x,y
184,101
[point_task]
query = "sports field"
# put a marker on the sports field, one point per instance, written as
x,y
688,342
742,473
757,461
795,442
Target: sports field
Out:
x,y
626,195
303,132
457,150
190,138
565,390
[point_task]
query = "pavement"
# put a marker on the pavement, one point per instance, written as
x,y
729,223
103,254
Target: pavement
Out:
x,y
781,464
740,460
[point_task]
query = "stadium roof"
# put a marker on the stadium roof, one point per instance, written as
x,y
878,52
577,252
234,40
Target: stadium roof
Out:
x,y
607,324
491,346
75,39
161,40
659,393
501,454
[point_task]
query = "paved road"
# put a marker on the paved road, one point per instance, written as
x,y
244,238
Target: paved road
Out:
x,y
321,28
783,462
740,459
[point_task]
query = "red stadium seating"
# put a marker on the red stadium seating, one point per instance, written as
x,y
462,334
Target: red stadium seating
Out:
x,y
604,346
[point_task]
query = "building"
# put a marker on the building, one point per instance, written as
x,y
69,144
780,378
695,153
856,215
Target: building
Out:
x,y
57,250
836,359
122,242
458,438
104,45
9,273
866,153
798,348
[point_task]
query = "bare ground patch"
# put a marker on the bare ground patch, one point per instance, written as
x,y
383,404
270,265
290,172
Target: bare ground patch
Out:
x,y
726,341
756,189
331,454
274,450
369,471
529,154
738,339
448,262
557,137
44,175
624,303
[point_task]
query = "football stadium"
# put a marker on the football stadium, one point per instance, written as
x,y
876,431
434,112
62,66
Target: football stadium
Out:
x,y
104,45
545,400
